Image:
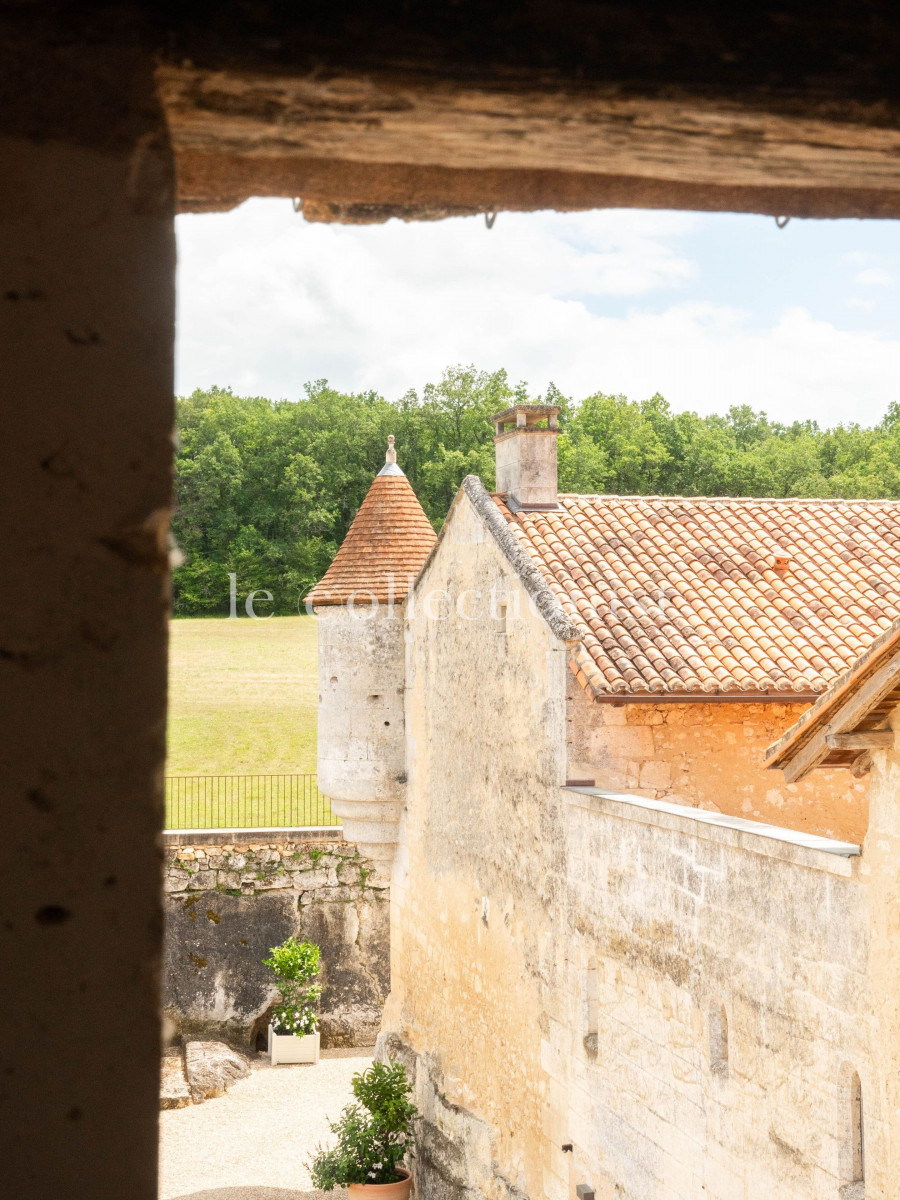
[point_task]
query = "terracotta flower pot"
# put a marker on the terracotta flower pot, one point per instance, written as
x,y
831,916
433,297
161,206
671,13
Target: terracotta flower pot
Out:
x,y
399,1190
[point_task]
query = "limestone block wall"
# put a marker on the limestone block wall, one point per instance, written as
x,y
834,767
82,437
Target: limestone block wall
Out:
x,y
228,903
686,1006
880,868
479,870
717,1006
361,746
709,756
688,1011
526,465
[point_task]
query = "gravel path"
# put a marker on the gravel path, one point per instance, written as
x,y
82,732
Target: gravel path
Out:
x,y
253,1142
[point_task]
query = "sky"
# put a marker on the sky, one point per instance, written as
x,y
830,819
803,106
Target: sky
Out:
x,y
708,309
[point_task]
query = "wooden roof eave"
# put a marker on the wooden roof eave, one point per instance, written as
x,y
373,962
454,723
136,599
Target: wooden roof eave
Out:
x,y
859,703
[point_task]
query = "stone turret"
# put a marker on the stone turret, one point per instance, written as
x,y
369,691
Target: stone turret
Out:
x,y
360,603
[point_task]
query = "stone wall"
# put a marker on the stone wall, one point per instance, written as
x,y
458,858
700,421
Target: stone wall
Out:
x,y
361,751
715,1008
88,303
586,991
228,902
480,869
709,756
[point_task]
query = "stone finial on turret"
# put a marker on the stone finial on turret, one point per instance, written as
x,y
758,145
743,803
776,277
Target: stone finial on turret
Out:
x,y
390,459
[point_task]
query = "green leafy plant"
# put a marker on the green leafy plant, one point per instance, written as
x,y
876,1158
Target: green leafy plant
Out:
x,y
295,965
372,1134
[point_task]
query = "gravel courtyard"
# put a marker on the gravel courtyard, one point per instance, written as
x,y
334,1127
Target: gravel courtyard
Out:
x,y
253,1143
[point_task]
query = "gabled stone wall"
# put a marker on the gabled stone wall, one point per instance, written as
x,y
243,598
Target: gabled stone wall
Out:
x,y
480,871
227,904
591,992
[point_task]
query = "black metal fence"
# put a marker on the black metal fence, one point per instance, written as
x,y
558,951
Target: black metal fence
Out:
x,y
245,802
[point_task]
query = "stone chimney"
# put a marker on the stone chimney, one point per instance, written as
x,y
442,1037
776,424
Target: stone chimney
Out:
x,y
526,455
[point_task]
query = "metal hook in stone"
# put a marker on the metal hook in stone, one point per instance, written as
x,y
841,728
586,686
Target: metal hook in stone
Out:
x,y
489,219
781,221
297,202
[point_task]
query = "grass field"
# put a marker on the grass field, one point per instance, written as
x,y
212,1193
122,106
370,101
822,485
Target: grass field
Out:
x,y
242,697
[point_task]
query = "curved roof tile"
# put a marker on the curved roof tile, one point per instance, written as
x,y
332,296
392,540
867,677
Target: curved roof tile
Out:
x,y
680,596
384,549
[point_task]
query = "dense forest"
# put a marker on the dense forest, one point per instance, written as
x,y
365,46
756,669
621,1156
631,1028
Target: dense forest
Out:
x,y
267,490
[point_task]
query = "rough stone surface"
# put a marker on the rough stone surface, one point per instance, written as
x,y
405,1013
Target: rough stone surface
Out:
x,y
173,1085
477,891
211,1067
251,898
87,300
711,756
361,748
526,465
525,568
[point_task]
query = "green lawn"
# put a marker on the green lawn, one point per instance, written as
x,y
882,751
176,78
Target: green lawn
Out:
x,y
242,701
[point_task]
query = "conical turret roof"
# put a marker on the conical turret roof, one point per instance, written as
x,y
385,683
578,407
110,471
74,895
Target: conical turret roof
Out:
x,y
385,547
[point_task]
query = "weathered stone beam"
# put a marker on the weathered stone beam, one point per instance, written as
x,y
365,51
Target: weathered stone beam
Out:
x,y
417,144
362,193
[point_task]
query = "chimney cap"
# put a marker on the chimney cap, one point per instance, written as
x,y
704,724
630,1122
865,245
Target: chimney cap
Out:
x,y
526,416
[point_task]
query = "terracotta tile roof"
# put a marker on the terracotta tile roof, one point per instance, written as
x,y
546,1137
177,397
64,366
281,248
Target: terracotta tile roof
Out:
x,y
679,596
384,549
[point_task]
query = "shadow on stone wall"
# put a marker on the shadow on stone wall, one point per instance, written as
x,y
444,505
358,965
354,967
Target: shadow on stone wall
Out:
x,y
228,905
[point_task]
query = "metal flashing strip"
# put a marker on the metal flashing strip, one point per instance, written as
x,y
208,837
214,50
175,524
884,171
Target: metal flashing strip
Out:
x,y
792,837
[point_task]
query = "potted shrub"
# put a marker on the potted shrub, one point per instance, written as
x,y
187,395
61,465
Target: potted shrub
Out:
x,y
372,1136
294,1028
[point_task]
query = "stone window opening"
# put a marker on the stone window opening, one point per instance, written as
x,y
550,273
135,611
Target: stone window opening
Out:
x,y
501,616
119,198
855,1168
718,1041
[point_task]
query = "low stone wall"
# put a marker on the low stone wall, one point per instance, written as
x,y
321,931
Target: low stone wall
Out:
x,y
229,901
715,1007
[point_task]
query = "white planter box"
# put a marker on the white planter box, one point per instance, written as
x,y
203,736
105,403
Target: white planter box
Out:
x,y
289,1048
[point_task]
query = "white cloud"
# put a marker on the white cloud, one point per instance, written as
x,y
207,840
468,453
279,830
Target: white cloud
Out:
x,y
708,358
591,301
875,277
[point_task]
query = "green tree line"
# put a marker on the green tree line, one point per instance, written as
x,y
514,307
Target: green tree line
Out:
x,y
267,489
